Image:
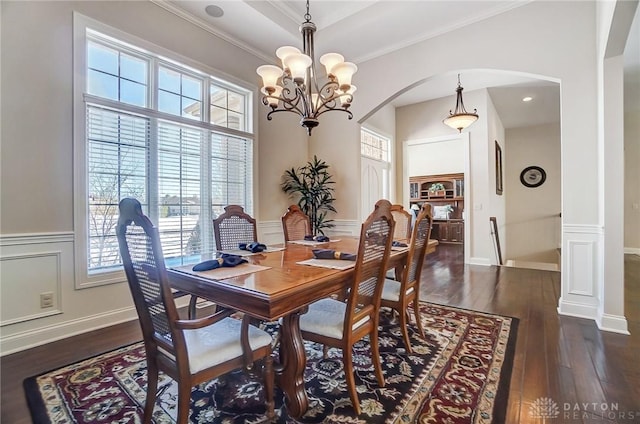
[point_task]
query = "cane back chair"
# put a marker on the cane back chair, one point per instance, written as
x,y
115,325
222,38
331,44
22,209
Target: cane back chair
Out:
x,y
295,224
189,351
403,223
399,294
341,324
233,227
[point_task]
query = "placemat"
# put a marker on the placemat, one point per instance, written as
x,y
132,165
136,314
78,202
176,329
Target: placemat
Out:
x,y
329,263
223,273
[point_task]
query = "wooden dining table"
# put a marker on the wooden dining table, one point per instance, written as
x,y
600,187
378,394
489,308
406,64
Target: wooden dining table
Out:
x,y
283,291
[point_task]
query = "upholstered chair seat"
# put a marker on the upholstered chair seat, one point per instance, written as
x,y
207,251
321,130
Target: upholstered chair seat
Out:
x,y
220,343
391,290
326,318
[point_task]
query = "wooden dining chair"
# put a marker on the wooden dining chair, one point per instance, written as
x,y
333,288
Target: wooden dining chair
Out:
x,y
403,222
189,351
402,231
338,323
295,224
398,295
234,226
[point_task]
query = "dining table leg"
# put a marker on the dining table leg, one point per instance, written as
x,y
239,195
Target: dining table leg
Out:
x,y
293,360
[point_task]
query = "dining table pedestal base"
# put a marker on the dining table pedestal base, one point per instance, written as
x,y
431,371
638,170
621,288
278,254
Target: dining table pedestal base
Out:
x,y
290,371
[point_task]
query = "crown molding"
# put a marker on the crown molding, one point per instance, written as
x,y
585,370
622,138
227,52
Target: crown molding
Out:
x,y
168,6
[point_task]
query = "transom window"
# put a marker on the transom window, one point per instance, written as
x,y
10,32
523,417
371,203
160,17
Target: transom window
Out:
x,y
149,133
374,146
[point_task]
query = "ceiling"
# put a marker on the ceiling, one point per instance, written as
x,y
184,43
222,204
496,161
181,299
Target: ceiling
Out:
x,y
374,28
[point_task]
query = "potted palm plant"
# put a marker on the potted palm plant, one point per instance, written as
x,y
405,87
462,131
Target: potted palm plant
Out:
x,y
312,186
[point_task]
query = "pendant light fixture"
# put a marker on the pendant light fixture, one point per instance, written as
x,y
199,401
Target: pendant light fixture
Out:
x,y
295,87
460,118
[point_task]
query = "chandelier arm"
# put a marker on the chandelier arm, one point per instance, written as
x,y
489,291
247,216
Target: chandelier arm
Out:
x,y
350,115
287,105
272,111
332,104
328,95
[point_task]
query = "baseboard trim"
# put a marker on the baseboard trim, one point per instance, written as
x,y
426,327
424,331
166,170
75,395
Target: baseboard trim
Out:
x,y
613,323
43,335
578,310
632,251
479,261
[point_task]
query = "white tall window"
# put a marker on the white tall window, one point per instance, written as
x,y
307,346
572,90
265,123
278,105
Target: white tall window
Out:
x,y
167,134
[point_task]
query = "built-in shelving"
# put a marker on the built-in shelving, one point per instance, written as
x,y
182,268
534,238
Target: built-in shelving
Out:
x,y
441,190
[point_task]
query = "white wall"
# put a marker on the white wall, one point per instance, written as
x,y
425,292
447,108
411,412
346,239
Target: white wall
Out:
x,y
497,202
632,181
632,139
439,157
532,221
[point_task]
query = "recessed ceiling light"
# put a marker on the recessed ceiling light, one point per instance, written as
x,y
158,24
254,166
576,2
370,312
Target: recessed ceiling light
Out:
x,y
213,10
527,99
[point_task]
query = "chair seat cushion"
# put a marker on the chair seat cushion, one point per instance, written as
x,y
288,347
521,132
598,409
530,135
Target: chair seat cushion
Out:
x,y
220,342
326,318
391,290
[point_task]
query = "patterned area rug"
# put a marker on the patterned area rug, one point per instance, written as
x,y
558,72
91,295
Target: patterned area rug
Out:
x,y
459,374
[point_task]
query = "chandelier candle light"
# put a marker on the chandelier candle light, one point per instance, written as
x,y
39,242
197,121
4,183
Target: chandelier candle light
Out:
x,y
295,87
460,118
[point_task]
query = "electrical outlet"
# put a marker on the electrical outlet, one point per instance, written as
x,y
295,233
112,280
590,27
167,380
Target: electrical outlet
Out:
x,y
46,300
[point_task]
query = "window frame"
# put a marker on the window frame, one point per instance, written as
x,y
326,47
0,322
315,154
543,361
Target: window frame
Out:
x,y
157,57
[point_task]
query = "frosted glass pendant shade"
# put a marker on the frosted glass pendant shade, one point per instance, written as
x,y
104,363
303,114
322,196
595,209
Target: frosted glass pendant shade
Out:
x,y
270,75
297,65
330,60
460,121
343,72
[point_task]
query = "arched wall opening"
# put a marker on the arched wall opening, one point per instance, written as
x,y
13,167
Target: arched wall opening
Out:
x,y
414,113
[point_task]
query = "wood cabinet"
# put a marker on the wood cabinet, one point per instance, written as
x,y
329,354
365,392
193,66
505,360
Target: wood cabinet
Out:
x,y
448,231
441,191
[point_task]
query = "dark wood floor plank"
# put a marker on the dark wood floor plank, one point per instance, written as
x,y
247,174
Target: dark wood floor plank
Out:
x,y
565,359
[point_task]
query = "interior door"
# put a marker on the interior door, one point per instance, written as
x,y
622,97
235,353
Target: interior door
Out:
x,y
375,184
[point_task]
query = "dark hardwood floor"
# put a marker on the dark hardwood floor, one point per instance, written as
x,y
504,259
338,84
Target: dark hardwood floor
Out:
x,y
596,375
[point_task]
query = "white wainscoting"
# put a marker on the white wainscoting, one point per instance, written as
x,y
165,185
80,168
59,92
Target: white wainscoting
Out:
x,y
32,264
580,270
270,232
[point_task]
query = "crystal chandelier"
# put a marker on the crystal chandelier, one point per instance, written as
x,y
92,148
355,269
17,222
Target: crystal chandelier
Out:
x,y
460,118
295,87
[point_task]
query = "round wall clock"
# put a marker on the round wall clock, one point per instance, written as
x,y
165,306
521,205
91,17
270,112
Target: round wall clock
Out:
x,y
533,176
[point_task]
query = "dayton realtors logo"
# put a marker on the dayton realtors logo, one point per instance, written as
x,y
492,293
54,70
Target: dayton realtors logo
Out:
x,y
544,408
547,408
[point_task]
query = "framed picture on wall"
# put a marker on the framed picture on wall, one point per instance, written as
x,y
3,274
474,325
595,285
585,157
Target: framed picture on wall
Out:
x,y
498,169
